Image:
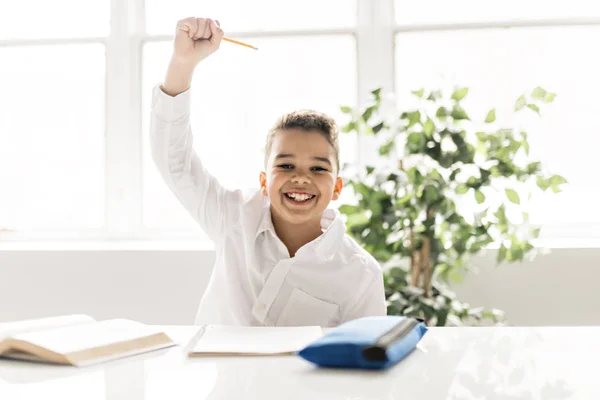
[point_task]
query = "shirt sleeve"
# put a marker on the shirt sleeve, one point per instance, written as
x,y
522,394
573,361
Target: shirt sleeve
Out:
x,y
371,302
171,143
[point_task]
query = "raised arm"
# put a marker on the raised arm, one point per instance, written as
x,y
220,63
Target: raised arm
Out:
x,y
171,137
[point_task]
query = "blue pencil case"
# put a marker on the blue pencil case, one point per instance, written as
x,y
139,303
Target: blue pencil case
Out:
x,y
366,343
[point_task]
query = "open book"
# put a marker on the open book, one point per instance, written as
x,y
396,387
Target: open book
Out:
x,y
219,340
78,340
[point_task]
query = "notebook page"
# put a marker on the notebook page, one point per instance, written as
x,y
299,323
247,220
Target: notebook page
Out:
x,y
66,340
11,329
255,340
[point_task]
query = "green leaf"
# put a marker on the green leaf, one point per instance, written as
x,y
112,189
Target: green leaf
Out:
x,y
501,256
485,175
534,108
377,93
453,174
348,209
386,149
346,109
416,141
543,183
555,182
462,188
413,117
491,116
550,98
368,113
513,196
539,93
428,127
459,113
520,103
442,112
460,94
533,167
419,93
516,252
479,196
528,247
477,246
349,127
434,95
357,219
370,170
431,194
378,127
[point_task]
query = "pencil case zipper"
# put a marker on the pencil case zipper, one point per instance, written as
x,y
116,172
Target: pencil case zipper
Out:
x,y
377,351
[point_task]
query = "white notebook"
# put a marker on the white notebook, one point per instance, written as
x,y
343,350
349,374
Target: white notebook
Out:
x,y
223,340
78,340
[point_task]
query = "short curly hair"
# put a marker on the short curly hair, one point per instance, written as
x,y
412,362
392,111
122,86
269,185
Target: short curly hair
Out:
x,y
307,120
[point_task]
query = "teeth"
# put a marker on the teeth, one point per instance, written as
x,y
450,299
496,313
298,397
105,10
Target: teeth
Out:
x,y
299,197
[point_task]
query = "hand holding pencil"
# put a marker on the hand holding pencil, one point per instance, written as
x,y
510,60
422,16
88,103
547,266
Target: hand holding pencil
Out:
x,y
195,39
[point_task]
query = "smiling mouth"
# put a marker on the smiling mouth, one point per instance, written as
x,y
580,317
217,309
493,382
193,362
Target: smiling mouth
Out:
x,y
299,198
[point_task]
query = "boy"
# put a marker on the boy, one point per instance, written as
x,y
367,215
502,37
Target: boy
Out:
x,y
283,258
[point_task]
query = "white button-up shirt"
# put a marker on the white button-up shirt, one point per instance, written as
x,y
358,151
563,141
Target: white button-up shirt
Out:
x,y
255,282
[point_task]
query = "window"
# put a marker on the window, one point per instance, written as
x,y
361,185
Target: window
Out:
x,y
498,64
75,104
84,19
81,167
414,13
52,117
254,16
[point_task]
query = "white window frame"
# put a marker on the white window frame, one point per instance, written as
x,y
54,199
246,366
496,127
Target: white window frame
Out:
x,y
375,34
555,235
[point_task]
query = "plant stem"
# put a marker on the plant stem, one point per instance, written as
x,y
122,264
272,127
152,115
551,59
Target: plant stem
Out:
x,y
414,261
426,252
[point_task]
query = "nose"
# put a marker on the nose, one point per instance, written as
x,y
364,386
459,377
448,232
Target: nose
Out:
x,y
301,179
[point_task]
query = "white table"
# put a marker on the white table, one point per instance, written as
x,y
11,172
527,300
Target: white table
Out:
x,y
450,363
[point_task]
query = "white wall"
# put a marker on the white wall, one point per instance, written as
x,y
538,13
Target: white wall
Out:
x,y
164,287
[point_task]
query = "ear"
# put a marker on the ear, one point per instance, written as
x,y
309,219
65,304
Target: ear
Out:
x,y
337,188
263,183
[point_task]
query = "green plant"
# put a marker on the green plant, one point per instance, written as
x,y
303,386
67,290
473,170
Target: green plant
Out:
x,y
445,187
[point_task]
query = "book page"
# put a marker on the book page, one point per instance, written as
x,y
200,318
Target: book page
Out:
x,y
11,329
70,339
255,340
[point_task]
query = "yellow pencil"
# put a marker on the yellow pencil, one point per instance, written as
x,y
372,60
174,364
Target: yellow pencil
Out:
x,y
240,43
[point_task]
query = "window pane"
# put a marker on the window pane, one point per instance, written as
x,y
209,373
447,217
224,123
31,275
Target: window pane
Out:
x,y
35,19
260,15
239,94
443,11
51,137
499,65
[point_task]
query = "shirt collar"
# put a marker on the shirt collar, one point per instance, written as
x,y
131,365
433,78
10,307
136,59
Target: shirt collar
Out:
x,y
265,223
324,246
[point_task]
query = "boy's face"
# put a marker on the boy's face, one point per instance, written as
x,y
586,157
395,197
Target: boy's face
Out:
x,y
301,177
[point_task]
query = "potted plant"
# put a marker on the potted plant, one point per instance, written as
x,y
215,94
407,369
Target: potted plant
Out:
x,y
444,188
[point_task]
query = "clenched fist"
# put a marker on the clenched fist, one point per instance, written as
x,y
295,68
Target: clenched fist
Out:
x,y
195,39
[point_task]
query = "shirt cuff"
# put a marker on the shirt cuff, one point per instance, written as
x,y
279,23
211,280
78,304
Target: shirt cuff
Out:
x,y
168,107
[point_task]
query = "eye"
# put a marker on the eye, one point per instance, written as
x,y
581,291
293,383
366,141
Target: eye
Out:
x,y
319,169
285,166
